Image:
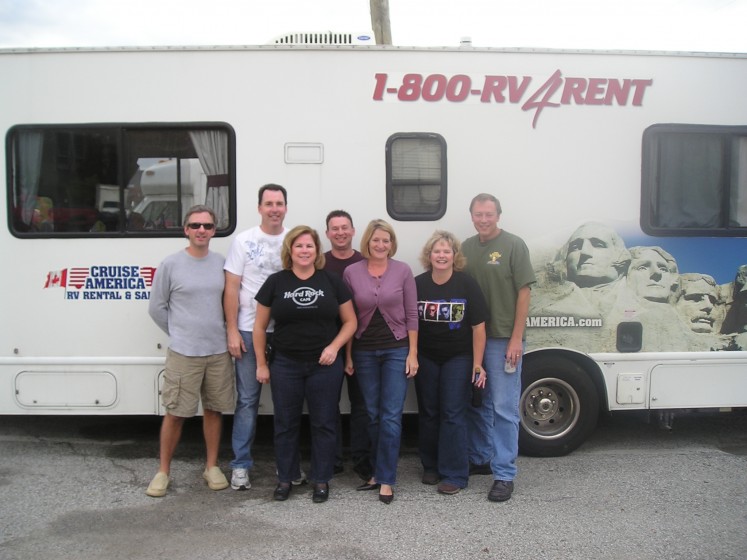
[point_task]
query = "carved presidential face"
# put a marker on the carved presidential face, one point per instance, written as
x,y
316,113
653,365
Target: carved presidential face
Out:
x,y
697,304
740,282
593,252
652,277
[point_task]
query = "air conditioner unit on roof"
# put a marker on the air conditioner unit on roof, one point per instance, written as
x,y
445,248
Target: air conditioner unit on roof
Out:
x,y
326,38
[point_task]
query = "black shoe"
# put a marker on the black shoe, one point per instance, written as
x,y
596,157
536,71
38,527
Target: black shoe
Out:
x,y
501,491
479,469
282,491
448,489
362,467
386,499
368,486
431,478
321,493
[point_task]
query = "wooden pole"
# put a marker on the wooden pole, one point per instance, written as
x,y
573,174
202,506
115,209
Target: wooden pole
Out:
x,y
380,22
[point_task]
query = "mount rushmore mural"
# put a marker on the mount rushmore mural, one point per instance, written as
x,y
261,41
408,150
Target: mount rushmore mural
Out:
x,y
597,295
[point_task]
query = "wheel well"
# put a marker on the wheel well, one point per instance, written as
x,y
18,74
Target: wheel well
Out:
x,y
583,361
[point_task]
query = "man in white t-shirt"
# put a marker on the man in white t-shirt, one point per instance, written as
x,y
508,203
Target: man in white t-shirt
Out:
x,y
253,256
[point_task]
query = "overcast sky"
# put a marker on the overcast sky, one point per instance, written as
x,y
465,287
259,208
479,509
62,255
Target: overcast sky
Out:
x,y
684,25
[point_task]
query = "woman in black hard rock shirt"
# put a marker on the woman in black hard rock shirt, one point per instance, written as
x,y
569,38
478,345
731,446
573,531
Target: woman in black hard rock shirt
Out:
x,y
305,302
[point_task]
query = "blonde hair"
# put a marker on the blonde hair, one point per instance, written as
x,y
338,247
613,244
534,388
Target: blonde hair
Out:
x,y
290,239
372,226
425,256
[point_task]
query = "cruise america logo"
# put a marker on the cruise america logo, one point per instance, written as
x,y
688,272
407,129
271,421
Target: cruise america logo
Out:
x,y
103,282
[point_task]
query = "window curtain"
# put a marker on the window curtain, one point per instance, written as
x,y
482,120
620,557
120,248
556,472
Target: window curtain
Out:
x,y
27,159
691,181
738,206
212,150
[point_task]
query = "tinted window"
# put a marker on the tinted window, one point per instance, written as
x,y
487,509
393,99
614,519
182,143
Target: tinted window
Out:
x,y
110,180
694,180
416,176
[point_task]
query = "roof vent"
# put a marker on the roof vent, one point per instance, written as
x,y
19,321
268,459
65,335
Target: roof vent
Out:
x,y
325,38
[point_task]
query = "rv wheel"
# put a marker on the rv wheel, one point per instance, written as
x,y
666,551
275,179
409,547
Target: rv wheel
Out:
x,y
558,408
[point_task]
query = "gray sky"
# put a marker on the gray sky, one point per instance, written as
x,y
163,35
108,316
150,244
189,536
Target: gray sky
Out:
x,y
684,25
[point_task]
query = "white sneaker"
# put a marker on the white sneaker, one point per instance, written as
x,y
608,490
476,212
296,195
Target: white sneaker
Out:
x,y
240,479
299,481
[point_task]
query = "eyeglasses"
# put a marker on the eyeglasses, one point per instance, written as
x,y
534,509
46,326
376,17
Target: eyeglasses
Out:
x,y
198,225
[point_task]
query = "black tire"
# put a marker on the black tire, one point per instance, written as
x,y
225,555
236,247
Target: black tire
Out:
x,y
558,408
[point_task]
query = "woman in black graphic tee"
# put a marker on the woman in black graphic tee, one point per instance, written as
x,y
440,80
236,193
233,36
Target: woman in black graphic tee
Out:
x,y
305,302
452,313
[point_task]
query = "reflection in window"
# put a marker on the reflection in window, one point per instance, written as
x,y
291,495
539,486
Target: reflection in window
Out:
x,y
88,180
416,176
695,180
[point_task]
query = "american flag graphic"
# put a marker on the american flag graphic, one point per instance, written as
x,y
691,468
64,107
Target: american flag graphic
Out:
x,y
147,273
76,277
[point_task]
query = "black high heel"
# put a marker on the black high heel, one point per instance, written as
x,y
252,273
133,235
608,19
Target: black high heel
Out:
x,y
386,498
368,486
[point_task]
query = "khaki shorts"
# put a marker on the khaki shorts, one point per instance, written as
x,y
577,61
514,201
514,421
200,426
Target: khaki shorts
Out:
x,y
189,378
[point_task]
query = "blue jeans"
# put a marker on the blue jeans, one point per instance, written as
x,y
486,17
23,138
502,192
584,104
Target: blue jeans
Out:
x,y
443,396
493,428
293,382
247,406
383,383
360,445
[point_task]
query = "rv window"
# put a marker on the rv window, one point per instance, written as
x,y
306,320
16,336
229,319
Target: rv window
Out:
x,y
416,176
112,181
694,180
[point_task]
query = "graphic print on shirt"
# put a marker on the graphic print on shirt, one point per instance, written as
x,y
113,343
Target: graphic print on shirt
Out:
x,y
262,258
442,311
304,296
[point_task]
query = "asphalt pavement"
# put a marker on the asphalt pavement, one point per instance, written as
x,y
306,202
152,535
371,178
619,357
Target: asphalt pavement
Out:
x,y
74,488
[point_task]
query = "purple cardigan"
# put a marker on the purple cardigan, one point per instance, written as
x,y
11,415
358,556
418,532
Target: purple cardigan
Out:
x,y
394,294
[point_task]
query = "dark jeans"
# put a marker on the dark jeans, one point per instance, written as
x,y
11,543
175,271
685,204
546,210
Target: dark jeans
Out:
x,y
292,382
443,396
360,443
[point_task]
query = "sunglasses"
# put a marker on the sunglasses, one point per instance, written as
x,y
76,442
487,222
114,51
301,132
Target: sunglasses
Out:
x,y
198,225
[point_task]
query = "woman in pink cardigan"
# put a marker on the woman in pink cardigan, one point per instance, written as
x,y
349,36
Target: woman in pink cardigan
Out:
x,y
384,348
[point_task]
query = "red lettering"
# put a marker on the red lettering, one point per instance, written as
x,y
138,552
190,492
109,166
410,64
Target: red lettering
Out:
x,y
618,91
595,91
434,87
379,88
640,89
550,87
574,88
458,88
494,86
516,91
410,88
499,89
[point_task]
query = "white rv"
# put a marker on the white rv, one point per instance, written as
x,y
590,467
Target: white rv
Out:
x,y
635,163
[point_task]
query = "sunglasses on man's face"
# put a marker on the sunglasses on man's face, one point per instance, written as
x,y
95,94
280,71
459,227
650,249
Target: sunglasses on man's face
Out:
x,y
198,225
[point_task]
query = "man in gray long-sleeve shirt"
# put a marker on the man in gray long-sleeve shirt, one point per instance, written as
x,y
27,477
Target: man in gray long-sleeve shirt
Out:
x,y
187,303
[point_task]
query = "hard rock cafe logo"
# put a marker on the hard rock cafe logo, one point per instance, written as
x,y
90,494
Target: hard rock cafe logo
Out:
x,y
304,296
103,282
